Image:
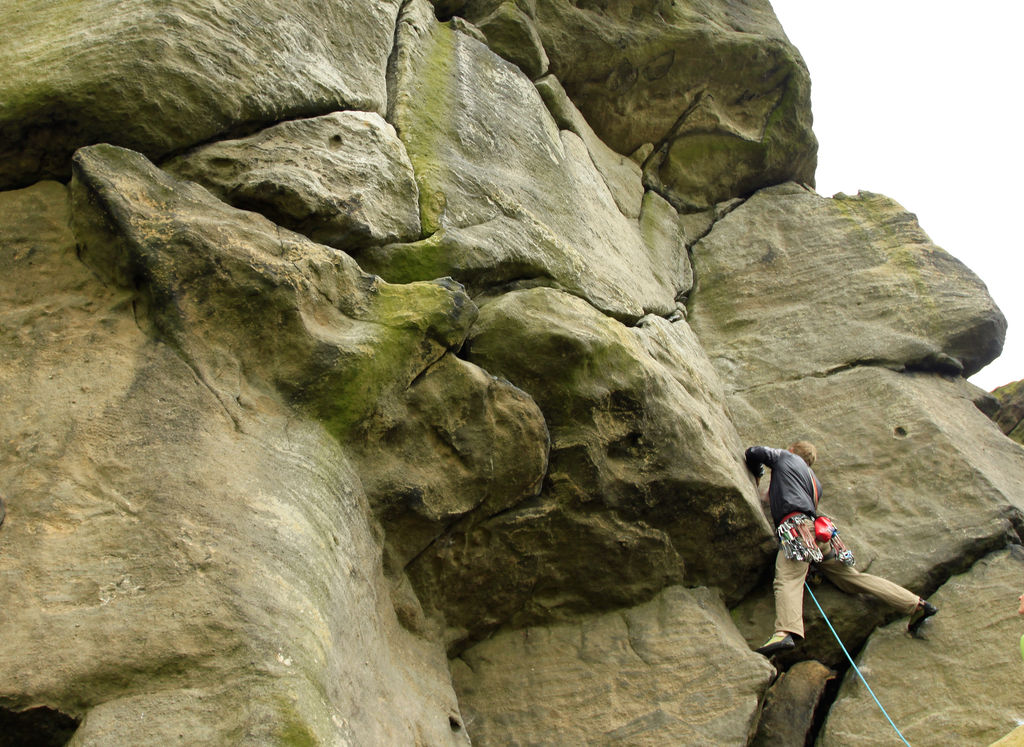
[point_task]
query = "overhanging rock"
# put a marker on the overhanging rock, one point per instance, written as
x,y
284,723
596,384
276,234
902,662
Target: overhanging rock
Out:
x,y
791,284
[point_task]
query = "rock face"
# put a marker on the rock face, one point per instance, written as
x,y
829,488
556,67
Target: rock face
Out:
x,y
405,353
773,307
646,675
644,487
225,286
183,565
507,200
956,656
789,708
630,426
620,173
240,298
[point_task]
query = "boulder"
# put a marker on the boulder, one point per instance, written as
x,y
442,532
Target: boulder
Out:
x,y
174,570
342,179
787,715
538,562
1010,413
715,87
791,284
160,77
671,671
505,199
960,680
636,416
511,33
458,440
645,484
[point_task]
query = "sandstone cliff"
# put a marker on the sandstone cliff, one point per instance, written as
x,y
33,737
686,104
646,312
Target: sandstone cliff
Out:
x,y
380,372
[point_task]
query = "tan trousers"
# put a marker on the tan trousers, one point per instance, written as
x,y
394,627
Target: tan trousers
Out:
x,y
789,590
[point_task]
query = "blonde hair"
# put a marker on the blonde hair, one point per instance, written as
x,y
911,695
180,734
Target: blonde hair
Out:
x,y
806,451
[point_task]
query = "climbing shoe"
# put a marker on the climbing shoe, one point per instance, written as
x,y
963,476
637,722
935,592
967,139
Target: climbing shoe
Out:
x,y
922,613
778,642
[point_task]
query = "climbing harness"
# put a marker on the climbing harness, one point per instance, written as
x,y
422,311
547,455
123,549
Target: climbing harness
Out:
x,y
826,531
796,535
855,669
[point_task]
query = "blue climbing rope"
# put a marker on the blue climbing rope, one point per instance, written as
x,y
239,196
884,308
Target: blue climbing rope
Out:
x,y
855,669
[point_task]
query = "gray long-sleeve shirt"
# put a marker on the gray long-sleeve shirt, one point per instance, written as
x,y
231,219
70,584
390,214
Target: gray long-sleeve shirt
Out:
x,y
793,483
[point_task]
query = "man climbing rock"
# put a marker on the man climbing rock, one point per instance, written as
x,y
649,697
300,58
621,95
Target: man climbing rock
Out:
x,y
793,495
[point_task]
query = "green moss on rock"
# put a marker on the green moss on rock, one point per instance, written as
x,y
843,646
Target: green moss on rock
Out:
x,y
1010,415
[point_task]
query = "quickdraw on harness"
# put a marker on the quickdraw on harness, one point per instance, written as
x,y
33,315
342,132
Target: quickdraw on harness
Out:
x,y
796,535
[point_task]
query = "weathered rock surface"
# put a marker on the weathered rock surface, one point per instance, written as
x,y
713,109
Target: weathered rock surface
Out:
x,y
505,199
458,440
1010,415
715,86
665,234
343,179
636,416
161,77
241,298
791,284
1014,739
787,715
961,681
672,671
920,483
179,569
644,486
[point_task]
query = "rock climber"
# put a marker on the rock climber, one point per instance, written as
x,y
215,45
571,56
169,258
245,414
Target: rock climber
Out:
x,y
793,495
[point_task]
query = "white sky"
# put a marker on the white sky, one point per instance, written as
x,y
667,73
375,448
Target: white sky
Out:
x,y
919,100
